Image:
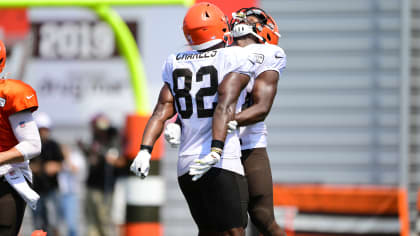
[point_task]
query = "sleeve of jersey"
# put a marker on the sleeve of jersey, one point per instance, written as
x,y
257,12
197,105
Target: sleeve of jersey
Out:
x,y
240,61
274,60
167,71
26,132
22,97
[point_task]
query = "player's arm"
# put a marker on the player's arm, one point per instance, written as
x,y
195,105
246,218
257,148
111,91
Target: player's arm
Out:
x,y
263,94
163,111
228,92
27,134
11,156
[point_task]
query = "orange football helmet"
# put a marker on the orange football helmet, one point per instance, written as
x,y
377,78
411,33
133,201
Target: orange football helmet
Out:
x,y
2,56
205,25
265,29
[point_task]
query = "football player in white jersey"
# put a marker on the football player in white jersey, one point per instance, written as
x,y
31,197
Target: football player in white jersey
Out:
x,y
257,32
194,82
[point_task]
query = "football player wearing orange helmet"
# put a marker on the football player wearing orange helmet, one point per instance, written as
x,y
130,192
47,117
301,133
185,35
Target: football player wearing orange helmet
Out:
x,y
262,25
19,142
253,29
212,181
256,31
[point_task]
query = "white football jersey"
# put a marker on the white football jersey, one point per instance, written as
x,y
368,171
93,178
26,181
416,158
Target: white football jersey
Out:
x,y
267,57
193,78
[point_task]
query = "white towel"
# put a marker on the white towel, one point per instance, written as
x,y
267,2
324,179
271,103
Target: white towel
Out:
x,y
18,182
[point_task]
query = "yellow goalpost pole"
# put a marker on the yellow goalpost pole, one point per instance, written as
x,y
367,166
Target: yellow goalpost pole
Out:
x,y
128,48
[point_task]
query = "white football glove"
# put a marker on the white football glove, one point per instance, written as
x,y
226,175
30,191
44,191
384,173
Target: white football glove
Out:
x,y
4,169
141,164
172,134
201,166
232,126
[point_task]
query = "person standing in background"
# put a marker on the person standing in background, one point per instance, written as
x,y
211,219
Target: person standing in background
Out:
x,y
46,168
102,156
70,181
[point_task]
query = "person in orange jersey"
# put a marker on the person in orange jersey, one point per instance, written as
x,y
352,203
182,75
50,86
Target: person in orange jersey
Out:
x,y
19,142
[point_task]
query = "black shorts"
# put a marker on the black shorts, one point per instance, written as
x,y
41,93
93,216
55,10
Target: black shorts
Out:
x,y
12,209
218,201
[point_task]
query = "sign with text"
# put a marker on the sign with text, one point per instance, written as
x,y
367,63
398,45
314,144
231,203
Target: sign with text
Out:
x,y
77,71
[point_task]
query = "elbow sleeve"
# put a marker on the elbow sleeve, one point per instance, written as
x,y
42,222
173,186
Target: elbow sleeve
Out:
x,y
29,148
27,134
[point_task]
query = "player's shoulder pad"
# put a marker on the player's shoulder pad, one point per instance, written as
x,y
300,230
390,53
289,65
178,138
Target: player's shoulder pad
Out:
x,y
18,87
275,50
246,52
19,95
171,58
234,51
256,53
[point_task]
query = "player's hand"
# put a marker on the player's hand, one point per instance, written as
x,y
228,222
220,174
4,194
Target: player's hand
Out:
x,y
4,169
172,134
232,126
141,164
201,166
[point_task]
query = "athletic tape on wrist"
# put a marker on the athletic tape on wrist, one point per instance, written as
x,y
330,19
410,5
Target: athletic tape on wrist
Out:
x,y
146,147
217,146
